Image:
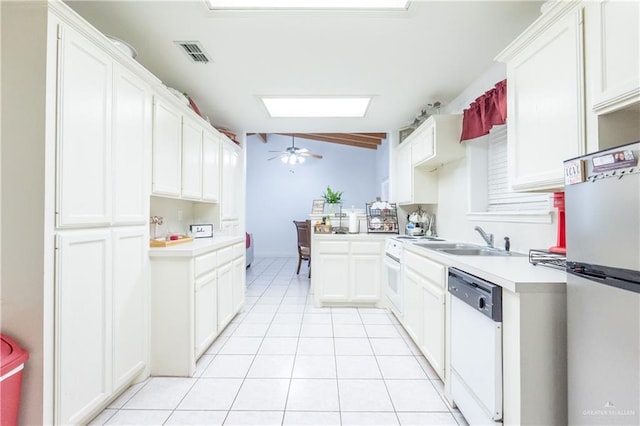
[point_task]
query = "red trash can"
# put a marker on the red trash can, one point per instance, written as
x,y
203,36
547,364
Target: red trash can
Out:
x,y
12,359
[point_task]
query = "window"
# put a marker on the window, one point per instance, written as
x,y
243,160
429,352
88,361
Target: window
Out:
x,y
490,197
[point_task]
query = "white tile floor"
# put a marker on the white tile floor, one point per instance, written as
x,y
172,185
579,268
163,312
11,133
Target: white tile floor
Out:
x,y
285,362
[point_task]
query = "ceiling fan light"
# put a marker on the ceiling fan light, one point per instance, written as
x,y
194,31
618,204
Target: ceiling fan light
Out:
x,y
300,160
285,159
293,159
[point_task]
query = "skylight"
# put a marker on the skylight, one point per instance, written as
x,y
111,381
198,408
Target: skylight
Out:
x,y
307,4
318,107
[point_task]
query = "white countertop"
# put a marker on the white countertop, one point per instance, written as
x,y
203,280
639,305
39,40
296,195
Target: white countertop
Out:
x,y
513,273
197,247
360,235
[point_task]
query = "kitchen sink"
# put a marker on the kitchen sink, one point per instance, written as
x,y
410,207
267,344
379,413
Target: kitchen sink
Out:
x,y
476,251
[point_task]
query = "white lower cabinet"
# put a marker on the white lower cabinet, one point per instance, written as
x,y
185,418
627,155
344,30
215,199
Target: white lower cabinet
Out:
x,y
424,312
225,295
239,276
347,270
192,300
206,311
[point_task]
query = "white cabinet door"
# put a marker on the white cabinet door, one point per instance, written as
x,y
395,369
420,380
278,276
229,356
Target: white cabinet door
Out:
x,y
422,146
546,106
333,277
130,304
210,167
616,53
225,295
130,148
433,325
191,160
84,133
366,271
413,306
231,182
239,268
167,132
206,312
82,324
404,174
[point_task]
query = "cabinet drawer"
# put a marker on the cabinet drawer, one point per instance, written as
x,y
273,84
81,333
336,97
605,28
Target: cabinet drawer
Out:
x,y
205,263
225,255
238,250
333,247
366,247
432,271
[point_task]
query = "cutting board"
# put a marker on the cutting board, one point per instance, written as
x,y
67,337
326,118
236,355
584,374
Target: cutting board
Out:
x,y
167,243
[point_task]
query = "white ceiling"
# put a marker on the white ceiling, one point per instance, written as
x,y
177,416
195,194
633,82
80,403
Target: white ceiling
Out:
x,y
405,59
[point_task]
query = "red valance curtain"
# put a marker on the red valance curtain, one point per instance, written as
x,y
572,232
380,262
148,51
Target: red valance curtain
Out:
x,y
487,111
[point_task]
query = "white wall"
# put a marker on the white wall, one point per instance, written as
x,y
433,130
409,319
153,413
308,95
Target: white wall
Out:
x,y
453,189
278,193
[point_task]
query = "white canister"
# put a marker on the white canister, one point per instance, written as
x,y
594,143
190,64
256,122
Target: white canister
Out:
x,y
354,223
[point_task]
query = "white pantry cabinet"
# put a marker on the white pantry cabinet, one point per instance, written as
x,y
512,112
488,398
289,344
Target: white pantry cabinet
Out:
x,y
130,304
84,132
347,269
613,54
232,182
83,326
191,160
101,288
167,150
130,148
546,98
210,167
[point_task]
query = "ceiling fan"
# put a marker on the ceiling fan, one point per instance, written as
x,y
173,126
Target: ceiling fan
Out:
x,y
294,155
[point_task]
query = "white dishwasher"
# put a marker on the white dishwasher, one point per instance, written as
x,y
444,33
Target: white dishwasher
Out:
x,y
476,347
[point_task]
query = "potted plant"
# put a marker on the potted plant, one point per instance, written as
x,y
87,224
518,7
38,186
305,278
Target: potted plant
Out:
x,y
332,198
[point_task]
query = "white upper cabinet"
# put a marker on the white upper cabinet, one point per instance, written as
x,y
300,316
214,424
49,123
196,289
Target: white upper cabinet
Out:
x,y
191,160
130,148
613,48
84,132
210,167
437,141
545,105
167,151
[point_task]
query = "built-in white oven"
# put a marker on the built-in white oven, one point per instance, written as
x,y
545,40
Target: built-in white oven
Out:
x,y
393,271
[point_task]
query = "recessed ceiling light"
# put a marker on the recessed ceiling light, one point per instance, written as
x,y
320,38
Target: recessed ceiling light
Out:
x,y
319,107
307,4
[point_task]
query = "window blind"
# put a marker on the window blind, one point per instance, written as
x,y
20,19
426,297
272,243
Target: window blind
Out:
x,y
499,197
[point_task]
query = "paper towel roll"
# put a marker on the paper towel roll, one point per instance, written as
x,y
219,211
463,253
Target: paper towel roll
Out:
x,y
353,223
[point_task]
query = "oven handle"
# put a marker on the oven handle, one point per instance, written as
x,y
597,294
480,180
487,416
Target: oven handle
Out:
x,y
391,262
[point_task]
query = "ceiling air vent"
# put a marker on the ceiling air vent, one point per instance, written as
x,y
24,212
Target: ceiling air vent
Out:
x,y
195,51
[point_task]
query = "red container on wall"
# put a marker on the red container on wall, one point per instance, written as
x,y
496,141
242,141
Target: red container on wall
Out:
x,y
12,359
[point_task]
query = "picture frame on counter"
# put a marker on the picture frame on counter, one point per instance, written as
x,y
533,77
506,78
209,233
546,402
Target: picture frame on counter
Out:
x,y
203,230
317,207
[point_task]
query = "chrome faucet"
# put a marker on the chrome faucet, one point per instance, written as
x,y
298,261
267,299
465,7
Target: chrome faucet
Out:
x,y
488,238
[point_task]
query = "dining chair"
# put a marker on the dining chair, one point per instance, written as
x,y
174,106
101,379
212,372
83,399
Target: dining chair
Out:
x,y
303,228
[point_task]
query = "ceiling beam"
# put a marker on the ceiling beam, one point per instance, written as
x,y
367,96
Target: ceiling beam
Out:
x,y
349,137
317,137
263,137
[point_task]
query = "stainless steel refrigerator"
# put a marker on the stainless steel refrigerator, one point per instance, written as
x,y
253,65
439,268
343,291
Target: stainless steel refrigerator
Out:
x,y
603,287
